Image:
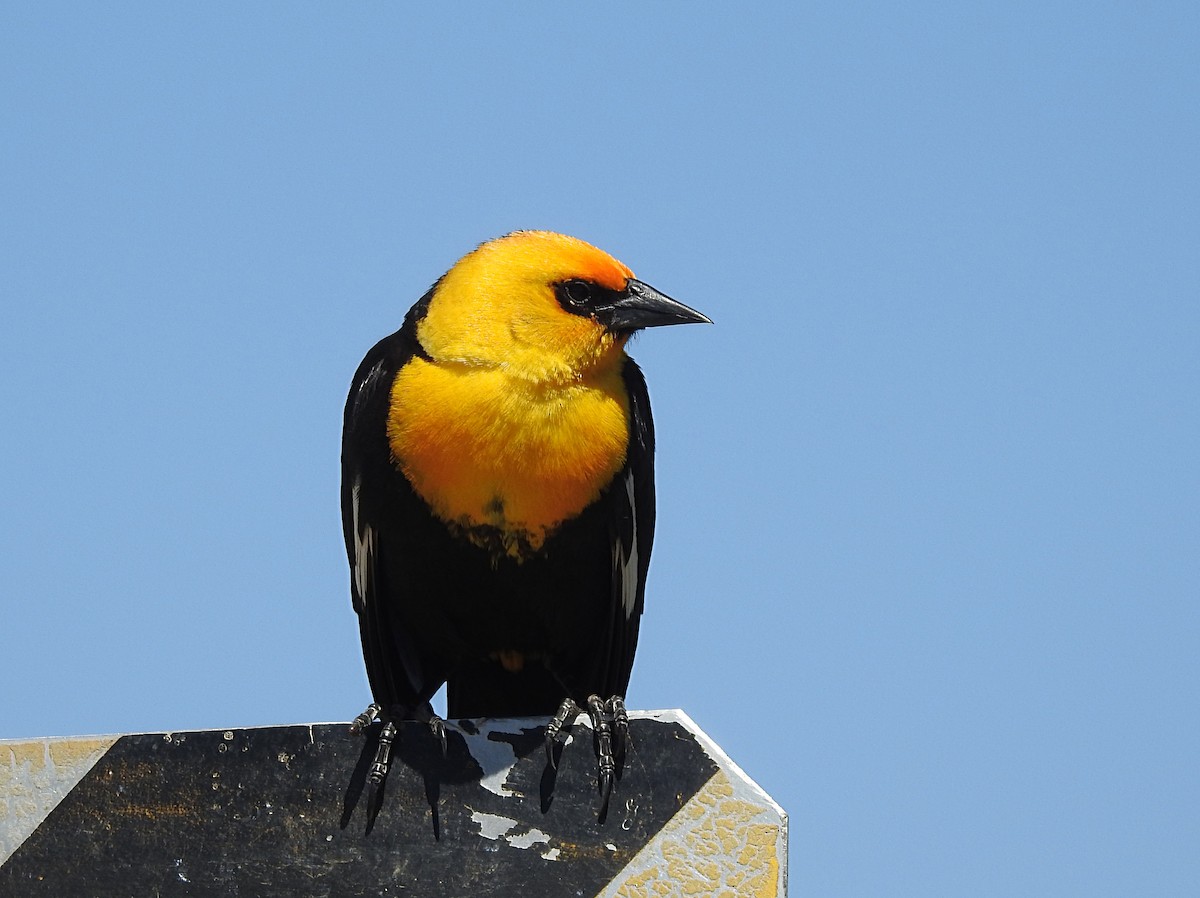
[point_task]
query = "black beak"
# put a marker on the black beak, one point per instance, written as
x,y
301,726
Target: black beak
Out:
x,y
640,305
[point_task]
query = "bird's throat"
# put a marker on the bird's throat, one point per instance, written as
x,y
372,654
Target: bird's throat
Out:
x,y
505,459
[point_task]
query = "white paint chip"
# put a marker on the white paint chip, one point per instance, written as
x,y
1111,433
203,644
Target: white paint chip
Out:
x,y
492,826
529,839
496,758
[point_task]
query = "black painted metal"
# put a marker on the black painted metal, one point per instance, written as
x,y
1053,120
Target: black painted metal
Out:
x,y
285,811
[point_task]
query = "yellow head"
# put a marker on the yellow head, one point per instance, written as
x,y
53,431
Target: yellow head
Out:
x,y
542,306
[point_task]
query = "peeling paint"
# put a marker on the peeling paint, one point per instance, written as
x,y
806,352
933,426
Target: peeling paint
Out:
x,y
724,820
35,776
492,826
495,758
685,820
528,839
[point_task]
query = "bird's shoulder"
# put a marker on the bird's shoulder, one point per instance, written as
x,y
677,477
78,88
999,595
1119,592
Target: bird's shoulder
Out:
x,y
373,379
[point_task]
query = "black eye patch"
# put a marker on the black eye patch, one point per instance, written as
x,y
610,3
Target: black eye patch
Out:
x,y
586,298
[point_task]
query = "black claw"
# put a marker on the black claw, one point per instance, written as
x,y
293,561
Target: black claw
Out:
x,y
389,732
610,729
606,784
365,719
563,718
438,727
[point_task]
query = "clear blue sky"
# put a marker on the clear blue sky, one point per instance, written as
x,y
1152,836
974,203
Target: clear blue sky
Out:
x,y
928,562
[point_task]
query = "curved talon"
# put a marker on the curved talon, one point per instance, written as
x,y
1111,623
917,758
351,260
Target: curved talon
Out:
x,y
610,729
562,719
437,726
366,718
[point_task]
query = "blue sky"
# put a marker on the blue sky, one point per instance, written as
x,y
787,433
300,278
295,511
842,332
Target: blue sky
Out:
x,y
928,563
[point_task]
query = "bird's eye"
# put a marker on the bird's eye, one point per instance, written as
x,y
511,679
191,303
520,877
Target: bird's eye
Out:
x,y
577,293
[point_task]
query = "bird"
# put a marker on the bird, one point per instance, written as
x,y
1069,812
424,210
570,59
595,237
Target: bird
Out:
x,y
497,494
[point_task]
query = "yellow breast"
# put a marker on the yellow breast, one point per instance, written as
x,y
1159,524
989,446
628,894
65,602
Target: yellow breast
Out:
x,y
486,449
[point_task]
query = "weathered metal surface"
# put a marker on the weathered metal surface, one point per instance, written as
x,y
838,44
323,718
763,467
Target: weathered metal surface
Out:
x,y
285,811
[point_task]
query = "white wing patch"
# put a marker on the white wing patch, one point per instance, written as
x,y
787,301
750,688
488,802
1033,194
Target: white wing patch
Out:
x,y
627,564
364,547
367,385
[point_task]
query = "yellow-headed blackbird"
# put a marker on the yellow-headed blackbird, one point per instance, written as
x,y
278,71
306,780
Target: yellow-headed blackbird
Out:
x,y
498,491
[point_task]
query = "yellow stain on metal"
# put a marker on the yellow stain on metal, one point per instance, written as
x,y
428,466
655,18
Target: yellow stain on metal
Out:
x,y
35,776
718,844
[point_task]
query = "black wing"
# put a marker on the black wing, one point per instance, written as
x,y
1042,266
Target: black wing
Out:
x,y
631,503
372,494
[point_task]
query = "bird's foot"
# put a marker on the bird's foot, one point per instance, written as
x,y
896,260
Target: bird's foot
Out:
x,y
610,726
389,731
